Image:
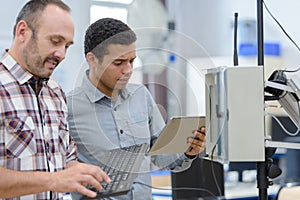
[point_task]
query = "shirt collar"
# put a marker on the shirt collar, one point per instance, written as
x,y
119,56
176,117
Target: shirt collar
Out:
x,y
95,95
20,74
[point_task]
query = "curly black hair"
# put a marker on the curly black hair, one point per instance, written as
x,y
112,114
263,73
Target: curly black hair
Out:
x,y
104,32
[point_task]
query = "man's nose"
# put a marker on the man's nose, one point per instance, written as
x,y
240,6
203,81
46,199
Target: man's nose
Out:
x,y
60,53
127,68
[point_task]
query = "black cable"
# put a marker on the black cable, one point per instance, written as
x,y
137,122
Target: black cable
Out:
x,y
215,178
179,188
284,31
271,98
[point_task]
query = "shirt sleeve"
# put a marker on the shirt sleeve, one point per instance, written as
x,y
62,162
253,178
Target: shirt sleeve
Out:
x,y
70,145
71,150
174,162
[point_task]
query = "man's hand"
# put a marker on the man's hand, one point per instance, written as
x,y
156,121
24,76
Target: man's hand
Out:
x,y
196,143
76,178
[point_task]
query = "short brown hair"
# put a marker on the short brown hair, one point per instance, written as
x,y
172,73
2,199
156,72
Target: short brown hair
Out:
x,y
32,10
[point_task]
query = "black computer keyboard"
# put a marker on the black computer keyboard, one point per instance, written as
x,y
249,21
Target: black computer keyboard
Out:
x,y
122,166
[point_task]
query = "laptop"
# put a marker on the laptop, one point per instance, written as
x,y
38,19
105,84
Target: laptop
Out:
x,y
122,165
173,138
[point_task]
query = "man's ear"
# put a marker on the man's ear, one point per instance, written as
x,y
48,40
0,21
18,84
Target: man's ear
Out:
x,y
22,30
91,58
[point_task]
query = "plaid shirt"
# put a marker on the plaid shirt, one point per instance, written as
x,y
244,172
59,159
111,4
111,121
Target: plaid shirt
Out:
x,y
33,128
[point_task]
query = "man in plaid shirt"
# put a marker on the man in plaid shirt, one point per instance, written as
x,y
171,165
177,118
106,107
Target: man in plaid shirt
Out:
x,y
38,157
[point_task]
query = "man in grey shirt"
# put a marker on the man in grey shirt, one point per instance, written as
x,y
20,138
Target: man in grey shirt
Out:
x,y
106,112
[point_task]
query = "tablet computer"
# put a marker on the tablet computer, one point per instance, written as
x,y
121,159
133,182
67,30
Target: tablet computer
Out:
x,y
173,138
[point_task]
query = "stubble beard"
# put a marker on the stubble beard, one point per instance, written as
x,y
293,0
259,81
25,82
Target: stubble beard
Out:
x,y
33,60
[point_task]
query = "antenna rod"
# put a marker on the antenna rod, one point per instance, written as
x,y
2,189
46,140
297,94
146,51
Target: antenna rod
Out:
x,y
235,53
260,34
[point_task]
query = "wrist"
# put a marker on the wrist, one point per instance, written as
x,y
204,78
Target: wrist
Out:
x,y
190,156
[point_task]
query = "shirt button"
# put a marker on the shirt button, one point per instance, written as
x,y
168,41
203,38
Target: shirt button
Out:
x,y
121,131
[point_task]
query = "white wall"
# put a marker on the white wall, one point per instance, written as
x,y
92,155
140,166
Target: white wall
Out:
x,y
209,22
8,15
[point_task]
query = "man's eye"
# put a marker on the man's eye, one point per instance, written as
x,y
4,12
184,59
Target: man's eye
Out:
x,y
55,42
118,63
